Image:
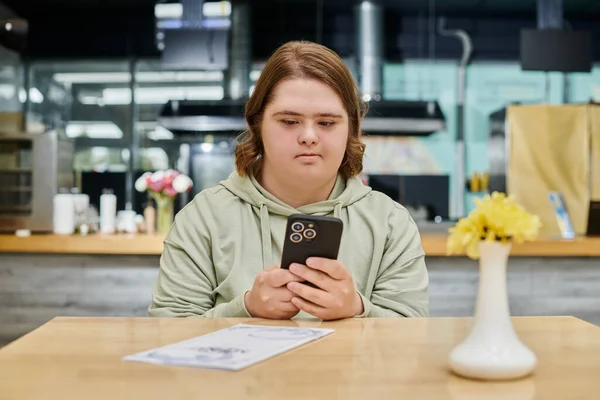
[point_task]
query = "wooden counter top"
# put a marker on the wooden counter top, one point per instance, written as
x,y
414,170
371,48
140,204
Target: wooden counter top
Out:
x,y
433,243
76,244
396,358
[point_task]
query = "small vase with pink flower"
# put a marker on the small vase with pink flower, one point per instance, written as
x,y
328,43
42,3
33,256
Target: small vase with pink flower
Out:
x,y
163,187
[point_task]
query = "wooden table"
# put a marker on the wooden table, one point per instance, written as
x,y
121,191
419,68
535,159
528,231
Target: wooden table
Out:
x,y
71,358
434,245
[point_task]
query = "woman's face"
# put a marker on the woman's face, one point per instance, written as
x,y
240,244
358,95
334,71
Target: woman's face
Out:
x,y
304,131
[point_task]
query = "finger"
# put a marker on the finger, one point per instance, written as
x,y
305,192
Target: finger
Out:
x,y
317,278
274,296
312,309
317,296
281,277
333,268
283,294
287,307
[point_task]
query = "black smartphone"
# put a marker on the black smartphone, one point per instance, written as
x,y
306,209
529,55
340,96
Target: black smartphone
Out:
x,y
311,236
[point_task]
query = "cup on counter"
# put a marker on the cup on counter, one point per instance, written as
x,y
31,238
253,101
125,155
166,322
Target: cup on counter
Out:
x,y
63,217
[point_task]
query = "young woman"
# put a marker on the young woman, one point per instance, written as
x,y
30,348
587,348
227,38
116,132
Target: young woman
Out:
x,y
301,154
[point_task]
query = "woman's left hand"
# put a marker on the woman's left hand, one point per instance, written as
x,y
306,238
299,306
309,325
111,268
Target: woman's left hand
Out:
x,y
334,296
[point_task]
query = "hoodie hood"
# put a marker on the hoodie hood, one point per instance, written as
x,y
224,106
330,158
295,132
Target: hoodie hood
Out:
x,y
344,193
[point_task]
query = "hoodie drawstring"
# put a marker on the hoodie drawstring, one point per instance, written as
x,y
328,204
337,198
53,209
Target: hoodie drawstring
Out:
x,y
337,210
265,236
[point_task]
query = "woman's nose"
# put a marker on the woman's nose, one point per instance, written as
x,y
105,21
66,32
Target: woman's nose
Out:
x,y
309,135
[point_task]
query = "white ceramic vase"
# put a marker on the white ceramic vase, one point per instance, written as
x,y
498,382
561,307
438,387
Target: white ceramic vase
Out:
x,y
492,350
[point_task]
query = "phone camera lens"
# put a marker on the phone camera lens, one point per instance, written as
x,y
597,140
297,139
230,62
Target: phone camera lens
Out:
x,y
310,233
296,237
297,227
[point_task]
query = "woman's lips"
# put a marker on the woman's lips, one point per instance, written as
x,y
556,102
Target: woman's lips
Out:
x,y
308,156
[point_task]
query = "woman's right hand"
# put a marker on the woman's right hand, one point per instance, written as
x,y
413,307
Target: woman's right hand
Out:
x,y
269,296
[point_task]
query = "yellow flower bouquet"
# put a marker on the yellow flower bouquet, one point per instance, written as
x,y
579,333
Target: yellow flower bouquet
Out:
x,y
496,218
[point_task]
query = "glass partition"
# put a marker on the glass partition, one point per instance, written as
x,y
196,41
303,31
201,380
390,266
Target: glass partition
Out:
x,y
204,157
78,99
12,93
155,86
110,110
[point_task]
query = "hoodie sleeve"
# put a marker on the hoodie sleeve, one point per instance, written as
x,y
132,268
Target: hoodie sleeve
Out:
x,y
401,288
186,277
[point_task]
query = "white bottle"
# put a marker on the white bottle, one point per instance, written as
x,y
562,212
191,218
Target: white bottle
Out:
x,y
108,212
63,214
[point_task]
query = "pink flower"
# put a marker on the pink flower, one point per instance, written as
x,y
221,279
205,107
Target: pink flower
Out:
x,y
169,176
171,173
170,192
157,186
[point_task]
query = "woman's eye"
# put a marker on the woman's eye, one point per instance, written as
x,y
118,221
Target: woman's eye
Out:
x,y
288,122
327,123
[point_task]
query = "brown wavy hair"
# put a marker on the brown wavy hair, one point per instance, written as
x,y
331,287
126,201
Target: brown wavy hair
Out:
x,y
305,60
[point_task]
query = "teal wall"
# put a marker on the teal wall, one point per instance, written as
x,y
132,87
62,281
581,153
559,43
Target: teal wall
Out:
x,y
490,86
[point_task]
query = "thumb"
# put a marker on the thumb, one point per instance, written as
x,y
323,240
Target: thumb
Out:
x,y
272,267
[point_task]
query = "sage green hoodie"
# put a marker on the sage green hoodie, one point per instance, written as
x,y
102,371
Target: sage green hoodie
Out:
x,y
227,234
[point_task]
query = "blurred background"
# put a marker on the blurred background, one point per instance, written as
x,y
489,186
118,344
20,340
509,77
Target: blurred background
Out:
x,y
465,97
138,85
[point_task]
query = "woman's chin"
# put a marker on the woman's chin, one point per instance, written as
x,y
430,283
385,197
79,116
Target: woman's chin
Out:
x,y
312,173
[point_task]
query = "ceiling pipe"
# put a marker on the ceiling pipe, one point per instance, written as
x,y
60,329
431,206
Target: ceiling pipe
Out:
x,y
396,118
237,76
461,153
550,16
369,48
